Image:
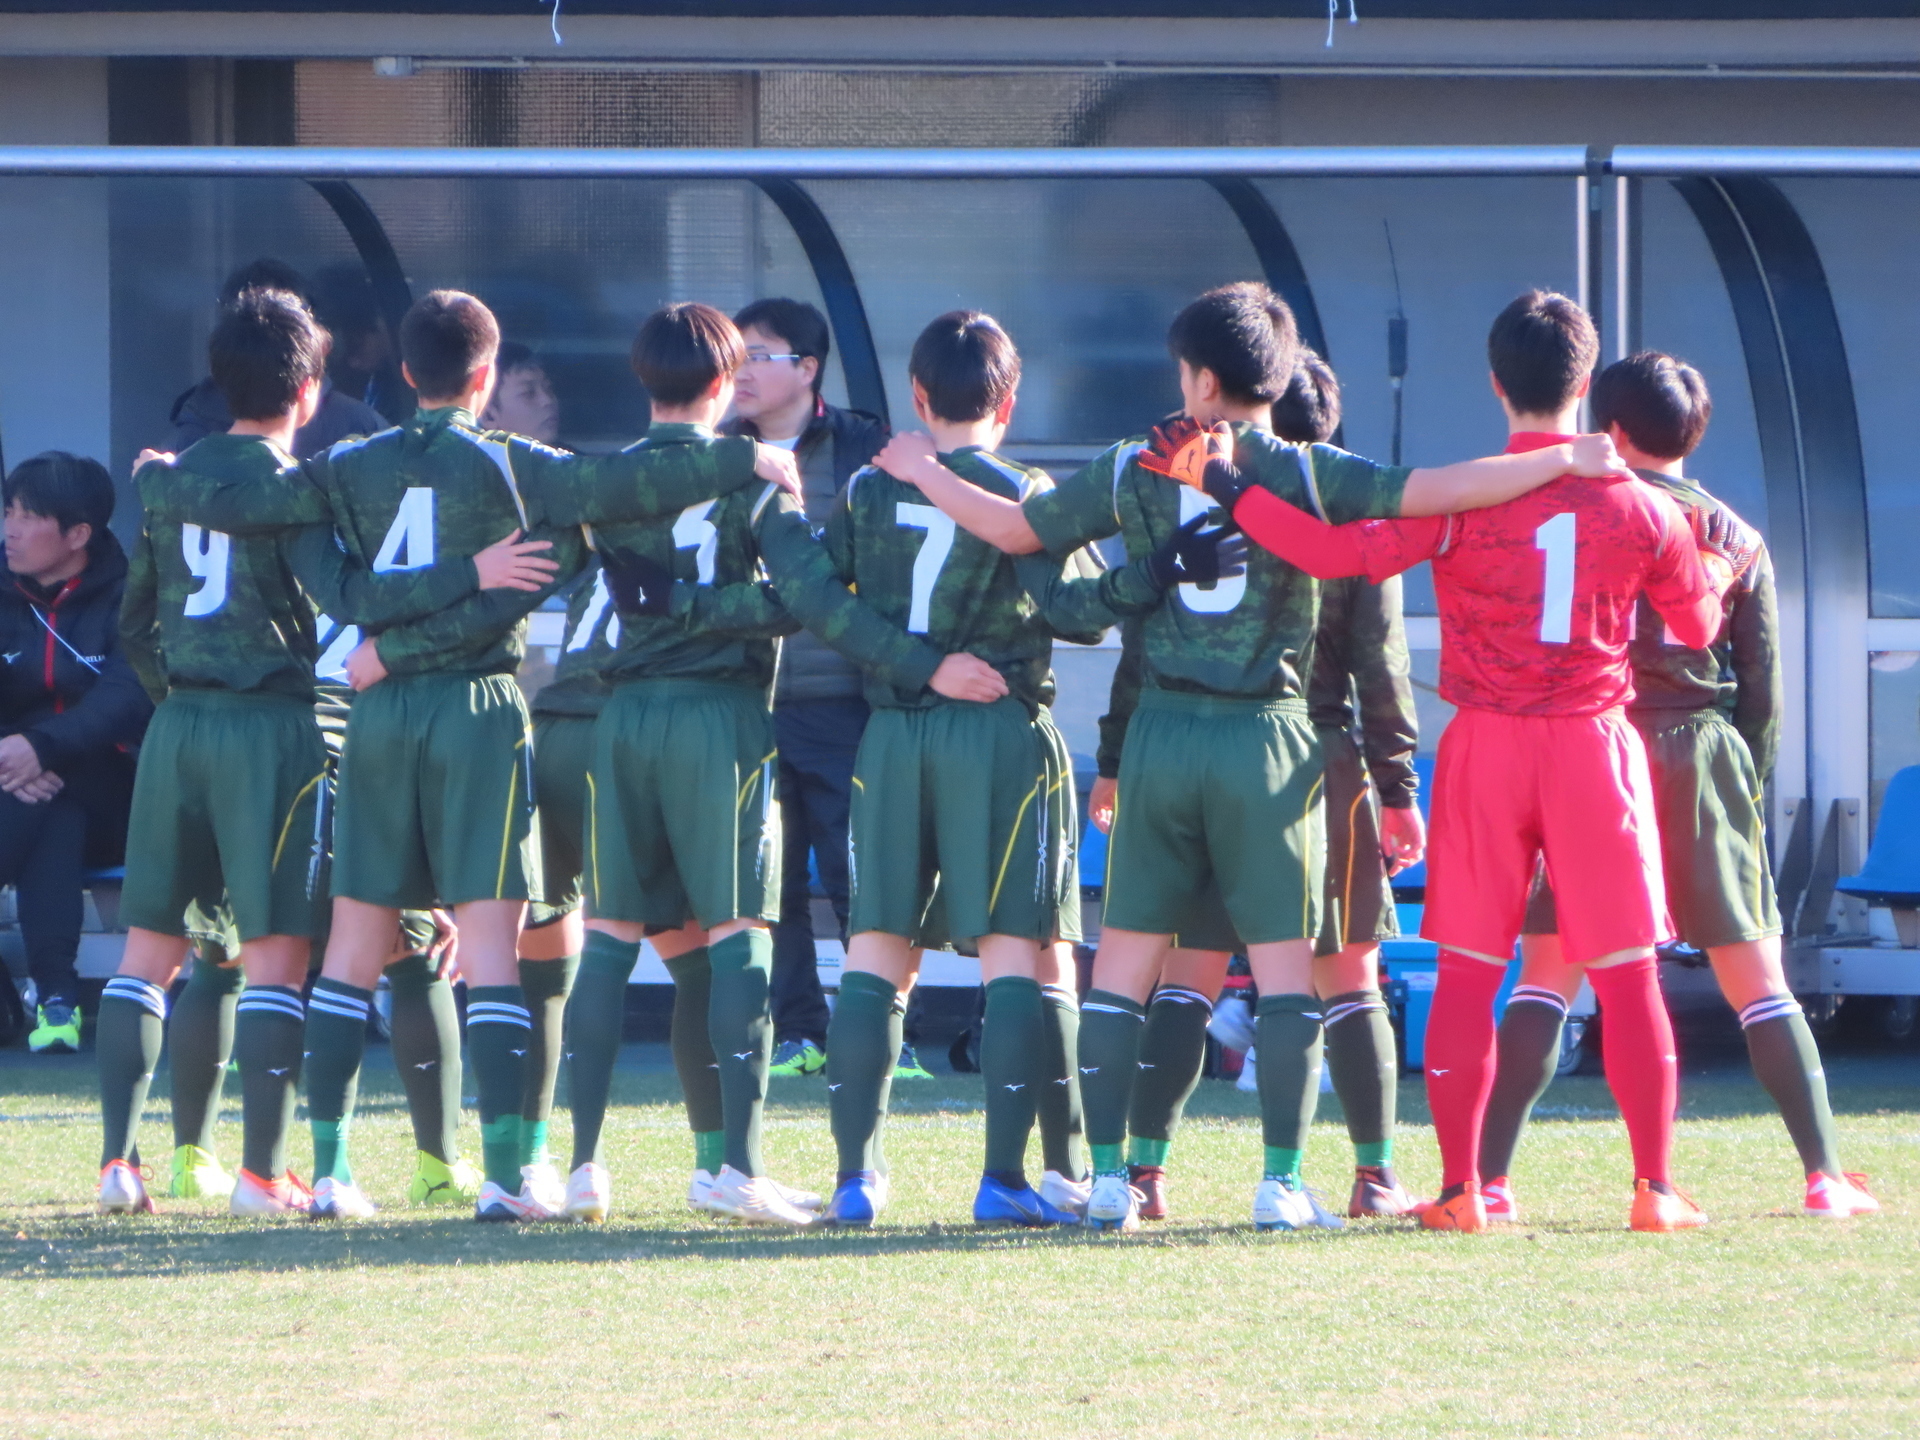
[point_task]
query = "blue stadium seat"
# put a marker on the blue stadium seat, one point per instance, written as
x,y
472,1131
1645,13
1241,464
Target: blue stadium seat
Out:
x,y
1891,875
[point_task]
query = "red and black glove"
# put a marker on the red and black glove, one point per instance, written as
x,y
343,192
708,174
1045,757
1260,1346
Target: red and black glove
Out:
x,y
1727,538
1182,451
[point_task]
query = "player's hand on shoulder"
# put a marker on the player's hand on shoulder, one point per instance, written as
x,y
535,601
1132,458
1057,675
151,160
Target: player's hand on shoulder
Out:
x,y
906,453
967,677
1182,450
1728,545
1197,555
777,467
515,564
1595,457
152,457
364,667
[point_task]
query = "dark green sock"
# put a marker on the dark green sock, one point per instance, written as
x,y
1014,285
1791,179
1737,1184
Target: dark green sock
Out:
x,y
1173,1052
199,1044
1787,1061
596,1020
1366,1072
268,1032
859,1061
1289,1041
336,1041
499,1034
896,1037
1529,1053
545,983
1063,1147
740,1027
127,1038
693,1058
1011,1041
1110,1027
425,1029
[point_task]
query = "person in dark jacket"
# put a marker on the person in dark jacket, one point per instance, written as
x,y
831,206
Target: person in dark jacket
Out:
x,y
71,712
202,411
819,714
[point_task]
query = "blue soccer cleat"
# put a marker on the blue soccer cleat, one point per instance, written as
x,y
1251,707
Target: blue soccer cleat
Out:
x,y
997,1204
856,1202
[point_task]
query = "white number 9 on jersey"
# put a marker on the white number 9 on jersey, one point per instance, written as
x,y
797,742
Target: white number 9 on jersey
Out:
x,y
207,553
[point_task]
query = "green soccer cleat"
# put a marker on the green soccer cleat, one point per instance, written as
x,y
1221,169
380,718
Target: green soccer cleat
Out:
x,y
798,1057
437,1183
197,1175
908,1067
58,1032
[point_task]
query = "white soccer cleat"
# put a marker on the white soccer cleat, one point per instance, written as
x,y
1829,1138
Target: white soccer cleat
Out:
x,y
335,1201
254,1196
800,1199
754,1200
497,1205
1064,1194
700,1193
1831,1197
1112,1204
544,1181
122,1191
1279,1205
1249,1081
589,1196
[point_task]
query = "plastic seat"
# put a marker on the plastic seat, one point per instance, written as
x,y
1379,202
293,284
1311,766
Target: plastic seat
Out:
x,y
1891,876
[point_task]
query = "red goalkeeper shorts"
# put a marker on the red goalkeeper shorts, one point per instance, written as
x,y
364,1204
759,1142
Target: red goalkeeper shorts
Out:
x,y
1508,788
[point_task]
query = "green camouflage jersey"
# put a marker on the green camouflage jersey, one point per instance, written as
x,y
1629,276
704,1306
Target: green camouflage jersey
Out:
x,y
1249,635
587,645
1362,674
929,577
207,608
1739,674
749,572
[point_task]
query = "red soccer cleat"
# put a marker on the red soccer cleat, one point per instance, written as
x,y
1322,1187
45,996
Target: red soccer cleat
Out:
x,y
1151,1182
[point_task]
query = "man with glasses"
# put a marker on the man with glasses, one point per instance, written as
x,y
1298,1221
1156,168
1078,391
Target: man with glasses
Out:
x,y
819,714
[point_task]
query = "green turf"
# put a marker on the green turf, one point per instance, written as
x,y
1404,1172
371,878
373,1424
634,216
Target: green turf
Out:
x,y
422,1323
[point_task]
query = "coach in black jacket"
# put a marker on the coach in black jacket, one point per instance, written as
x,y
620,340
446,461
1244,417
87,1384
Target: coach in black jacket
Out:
x,y
819,712
71,713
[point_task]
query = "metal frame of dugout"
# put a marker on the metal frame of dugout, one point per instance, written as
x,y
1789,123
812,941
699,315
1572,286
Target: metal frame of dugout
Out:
x,y
1783,307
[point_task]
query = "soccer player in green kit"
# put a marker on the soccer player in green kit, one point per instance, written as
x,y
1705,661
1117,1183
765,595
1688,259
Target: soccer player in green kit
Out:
x,y
1221,773
961,794
227,813
682,839
1373,826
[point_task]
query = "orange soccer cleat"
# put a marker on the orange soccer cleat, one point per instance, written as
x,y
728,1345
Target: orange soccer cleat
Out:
x,y
1465,1212
1660,1213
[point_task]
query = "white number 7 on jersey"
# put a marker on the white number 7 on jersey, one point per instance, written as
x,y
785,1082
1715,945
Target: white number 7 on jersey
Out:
x,y
1556,539
927,564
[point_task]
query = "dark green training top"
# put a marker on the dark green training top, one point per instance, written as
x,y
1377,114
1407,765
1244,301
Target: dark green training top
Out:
x,y
586,648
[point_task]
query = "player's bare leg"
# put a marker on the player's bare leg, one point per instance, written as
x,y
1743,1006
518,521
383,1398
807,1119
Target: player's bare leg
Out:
x,y
128,1037
1366,1072
1289,1039
1173,1053
1111,1021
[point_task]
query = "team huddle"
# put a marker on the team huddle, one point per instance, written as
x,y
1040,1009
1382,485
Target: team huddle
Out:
x,y
342,772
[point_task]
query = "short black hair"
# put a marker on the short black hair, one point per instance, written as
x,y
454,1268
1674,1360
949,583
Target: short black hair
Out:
x,y
802,326
1542,348
1309,412
516,355
1244,334
264,347
69,489
266,273
1659,402
446,337
967,365
682,349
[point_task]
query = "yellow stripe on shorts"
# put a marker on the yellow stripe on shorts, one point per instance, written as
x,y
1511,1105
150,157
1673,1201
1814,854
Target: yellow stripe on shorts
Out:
x,y
286,825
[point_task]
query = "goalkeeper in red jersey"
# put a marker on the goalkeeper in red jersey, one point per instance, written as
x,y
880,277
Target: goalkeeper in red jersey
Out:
x,y
1536,601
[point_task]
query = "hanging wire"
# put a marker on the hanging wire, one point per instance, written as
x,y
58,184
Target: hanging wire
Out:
x,y
556,24
1333,13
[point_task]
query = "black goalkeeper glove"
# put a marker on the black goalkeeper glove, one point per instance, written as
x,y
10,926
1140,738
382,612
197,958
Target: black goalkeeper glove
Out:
x,y
1224,483
639,585
1198,556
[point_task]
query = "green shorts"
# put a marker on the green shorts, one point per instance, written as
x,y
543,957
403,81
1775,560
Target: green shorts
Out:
x,y
1063,828
682,823
436,794
1359,901
1713,839
1218,790
562,755
959,794
228,819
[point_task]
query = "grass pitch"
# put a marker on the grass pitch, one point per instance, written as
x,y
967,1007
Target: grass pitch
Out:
x,y
422,1323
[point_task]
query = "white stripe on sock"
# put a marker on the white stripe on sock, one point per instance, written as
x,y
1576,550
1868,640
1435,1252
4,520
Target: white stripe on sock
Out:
x,y
1534,994
1181,995
330,1002
1769,1007
144,993
288,1005
1111,1010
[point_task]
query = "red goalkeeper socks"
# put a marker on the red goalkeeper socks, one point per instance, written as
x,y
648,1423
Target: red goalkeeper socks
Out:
x,y
1636,1041
1460,1060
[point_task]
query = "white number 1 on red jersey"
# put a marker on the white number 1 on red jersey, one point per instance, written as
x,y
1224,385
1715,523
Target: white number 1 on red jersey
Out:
x,y
1556,539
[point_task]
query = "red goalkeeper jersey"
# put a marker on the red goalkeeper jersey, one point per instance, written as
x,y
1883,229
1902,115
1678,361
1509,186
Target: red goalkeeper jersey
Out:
x,y
1537,594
